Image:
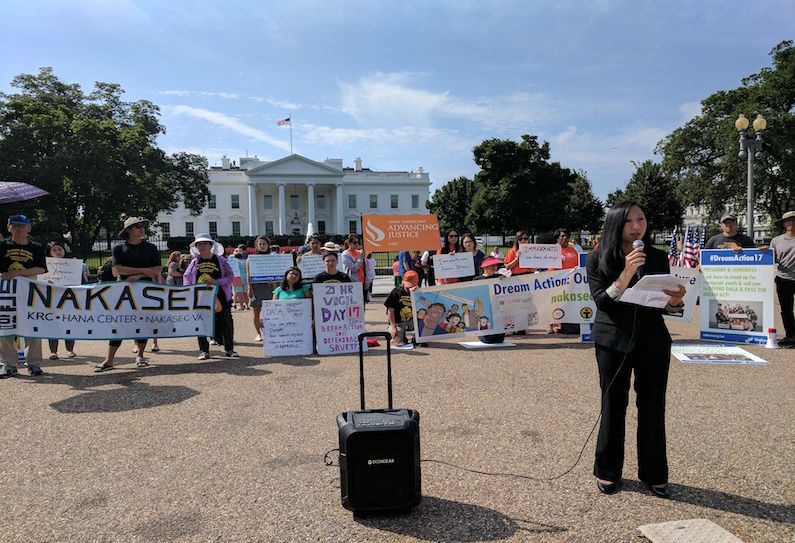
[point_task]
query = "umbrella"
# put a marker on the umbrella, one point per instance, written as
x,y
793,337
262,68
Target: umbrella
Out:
x,y
11,191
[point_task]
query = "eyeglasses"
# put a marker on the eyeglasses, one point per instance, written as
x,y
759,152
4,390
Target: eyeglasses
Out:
x,y
452,235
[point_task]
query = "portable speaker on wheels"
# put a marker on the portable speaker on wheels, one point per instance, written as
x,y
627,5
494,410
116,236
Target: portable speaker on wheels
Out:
x,y
379,451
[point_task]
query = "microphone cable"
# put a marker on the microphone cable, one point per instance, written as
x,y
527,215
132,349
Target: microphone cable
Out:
x,y
329,462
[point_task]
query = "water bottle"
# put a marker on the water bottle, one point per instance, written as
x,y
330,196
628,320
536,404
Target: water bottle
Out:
x,y
772,342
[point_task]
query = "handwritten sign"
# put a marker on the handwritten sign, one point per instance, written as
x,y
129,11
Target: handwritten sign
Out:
x,y
268,268
536,255
455,265
311,265
339,317
288,327
66,272
236,264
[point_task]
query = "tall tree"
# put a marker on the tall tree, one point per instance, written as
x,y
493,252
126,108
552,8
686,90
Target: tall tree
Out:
x,y
703,154
96,155
584,211
653,189
451,202
518,187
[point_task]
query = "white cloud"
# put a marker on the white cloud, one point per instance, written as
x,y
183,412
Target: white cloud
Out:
x,y
231,123
644,138
690,110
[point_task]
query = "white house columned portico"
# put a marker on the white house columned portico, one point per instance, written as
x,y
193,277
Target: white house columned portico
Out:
x,y
285,196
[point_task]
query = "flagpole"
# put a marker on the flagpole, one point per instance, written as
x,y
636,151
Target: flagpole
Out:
x,y
290,119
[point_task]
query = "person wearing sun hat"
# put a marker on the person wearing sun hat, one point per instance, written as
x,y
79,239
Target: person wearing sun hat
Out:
x,y
784,253
211,268
134,260
399,308
20,257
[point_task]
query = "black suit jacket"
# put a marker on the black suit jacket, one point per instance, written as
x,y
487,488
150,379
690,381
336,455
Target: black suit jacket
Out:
x,y
615,322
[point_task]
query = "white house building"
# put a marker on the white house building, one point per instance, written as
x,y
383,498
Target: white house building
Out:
x,y
284,196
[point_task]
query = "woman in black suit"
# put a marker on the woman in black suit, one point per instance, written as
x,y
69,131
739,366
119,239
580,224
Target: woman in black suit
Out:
x,y
630,337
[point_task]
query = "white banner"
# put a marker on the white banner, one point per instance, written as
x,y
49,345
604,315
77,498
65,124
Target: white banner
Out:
x,y
505,304
287,326
737,295
66,272
268,268
339,317
456,265
104,311
540,255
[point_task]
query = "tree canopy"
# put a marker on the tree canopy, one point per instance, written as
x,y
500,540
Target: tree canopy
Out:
x,y
655,192
703,156
96,154
450,203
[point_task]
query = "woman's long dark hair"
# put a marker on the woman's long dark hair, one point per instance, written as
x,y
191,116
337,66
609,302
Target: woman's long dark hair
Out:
x,y
519,234
286,286
446,243
611,256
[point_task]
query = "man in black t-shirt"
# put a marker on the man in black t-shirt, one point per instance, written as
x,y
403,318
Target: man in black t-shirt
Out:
x,y
332,274
134,260
20,257
730,238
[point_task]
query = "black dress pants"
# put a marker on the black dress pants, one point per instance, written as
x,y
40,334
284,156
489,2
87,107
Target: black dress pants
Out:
x,y
786,295
651,380
223,327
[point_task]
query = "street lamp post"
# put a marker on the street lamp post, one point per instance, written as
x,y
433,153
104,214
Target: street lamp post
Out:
x,y
750,149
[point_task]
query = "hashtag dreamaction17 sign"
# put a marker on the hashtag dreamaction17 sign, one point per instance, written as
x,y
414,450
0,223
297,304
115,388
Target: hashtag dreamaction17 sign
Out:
x,y
119,310
388,233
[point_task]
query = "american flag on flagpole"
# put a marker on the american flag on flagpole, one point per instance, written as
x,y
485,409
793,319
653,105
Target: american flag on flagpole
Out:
x,y
283,122
673,254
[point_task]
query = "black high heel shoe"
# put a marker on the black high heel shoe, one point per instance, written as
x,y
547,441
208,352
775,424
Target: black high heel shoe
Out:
x,y
607,488
661,491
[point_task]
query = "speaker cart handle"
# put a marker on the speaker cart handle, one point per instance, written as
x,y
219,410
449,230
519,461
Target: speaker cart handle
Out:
x,y
388,337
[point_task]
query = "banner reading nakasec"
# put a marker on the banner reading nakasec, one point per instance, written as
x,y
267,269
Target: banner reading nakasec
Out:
x,y
105,310
389,233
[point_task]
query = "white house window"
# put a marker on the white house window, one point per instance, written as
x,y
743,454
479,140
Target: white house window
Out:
x,y
213,229
351,201
320,201
211,202
236,228
373,201
189,229
165,229
321,227
293,201
393,201
352,226
235,201
268,201
268,228
415,201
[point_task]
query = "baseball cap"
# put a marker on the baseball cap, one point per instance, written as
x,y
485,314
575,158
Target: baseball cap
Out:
x,y
18,219
729,216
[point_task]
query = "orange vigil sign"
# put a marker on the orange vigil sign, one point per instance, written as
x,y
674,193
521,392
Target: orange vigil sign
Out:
x,y
387,233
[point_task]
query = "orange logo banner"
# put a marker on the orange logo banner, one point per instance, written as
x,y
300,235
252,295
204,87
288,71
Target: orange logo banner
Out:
x,y
388,233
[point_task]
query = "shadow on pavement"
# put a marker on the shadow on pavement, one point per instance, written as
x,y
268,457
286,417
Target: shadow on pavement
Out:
x,y
722,501
436,519
134,396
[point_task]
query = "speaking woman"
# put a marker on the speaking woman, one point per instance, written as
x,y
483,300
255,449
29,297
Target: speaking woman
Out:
x,y
630,337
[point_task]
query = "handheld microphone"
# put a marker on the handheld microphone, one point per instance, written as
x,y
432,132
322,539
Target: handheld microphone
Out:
x,y
638,244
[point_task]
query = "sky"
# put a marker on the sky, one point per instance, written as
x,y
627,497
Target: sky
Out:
x,y
405,84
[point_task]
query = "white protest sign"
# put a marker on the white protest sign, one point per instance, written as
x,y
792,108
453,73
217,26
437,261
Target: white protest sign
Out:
x,y
692,280
118,310
537,255
339,317
268,268
236,264
454,265
737,295
66,272
311,265
287,326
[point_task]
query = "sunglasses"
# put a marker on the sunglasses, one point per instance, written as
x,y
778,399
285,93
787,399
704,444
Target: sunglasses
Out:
x,y
525,238
452,236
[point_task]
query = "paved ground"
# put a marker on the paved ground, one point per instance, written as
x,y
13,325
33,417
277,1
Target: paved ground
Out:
x,y
232,450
